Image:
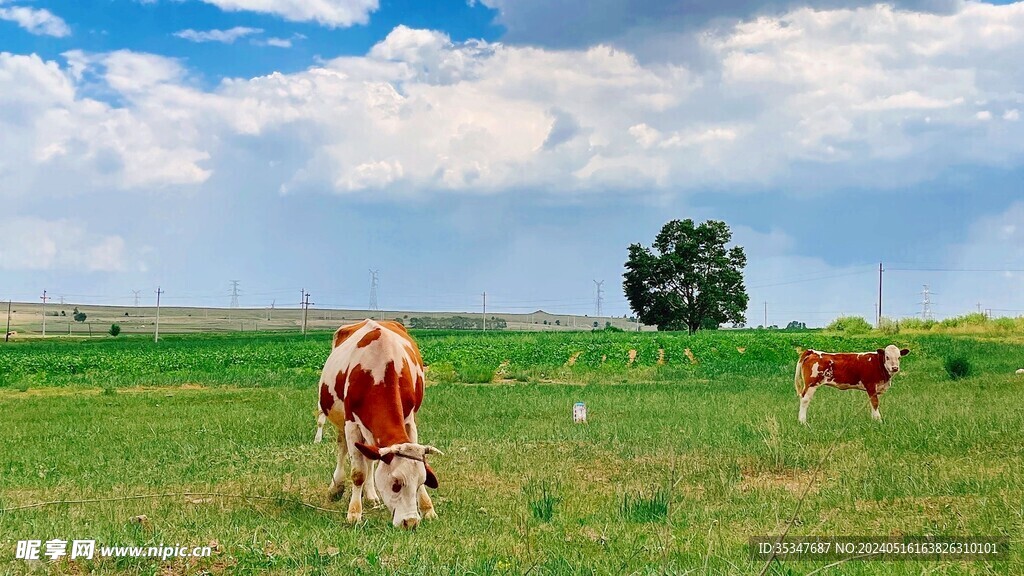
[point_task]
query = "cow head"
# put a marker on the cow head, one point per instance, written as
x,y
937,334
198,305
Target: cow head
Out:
x,y
890,356
402,470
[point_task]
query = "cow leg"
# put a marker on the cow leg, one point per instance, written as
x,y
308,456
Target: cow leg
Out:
x,y
805,401
337,487
360,466
426,504
874,407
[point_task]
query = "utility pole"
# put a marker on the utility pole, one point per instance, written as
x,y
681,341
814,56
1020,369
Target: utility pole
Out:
x,y
373,290
305,309
600,298
7,335
156,333
44,298
766,314
878,320
484,315
234,293
979,307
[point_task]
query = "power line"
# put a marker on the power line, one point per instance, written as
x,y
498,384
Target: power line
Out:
x,y
955,269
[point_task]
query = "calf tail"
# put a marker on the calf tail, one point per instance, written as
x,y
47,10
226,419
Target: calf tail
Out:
x,y
321,418
798,379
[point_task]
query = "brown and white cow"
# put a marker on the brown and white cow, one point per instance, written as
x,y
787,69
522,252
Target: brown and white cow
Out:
x,y
370,389
867,371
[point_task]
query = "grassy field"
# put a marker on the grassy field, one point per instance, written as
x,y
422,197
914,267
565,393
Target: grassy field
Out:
x,y
681,462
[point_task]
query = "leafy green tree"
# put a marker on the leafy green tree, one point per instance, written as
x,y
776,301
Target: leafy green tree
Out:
x,y
795,325
115,329
79,316
688,279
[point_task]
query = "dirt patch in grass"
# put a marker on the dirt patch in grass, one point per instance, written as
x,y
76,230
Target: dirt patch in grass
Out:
x,y
792,480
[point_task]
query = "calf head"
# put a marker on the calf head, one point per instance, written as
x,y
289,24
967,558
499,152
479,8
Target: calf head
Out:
x,y
402,470
890,356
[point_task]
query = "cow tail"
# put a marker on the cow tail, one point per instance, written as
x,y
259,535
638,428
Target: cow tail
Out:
x,y
798,379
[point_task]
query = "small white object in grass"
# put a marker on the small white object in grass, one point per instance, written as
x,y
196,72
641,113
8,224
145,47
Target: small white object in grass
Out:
x,y
579,412
1020,371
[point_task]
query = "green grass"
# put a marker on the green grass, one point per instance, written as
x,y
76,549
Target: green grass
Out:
x,y
676,468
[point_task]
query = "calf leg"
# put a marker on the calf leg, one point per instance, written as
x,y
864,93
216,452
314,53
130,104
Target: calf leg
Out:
x,y
805,401
874,407
359,471
426,504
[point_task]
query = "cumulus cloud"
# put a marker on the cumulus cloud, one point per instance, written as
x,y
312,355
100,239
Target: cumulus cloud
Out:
x,y
332,13
38,244
37,21
871,97
223,36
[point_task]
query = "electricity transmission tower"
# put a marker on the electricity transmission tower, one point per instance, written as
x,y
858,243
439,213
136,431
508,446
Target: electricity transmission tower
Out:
x,y
926,303
374,282
599,301
234,293
136,293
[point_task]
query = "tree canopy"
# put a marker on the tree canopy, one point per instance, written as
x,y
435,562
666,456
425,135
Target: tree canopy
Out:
x,y
688,279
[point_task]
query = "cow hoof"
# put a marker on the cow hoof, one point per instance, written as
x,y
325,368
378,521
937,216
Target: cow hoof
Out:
x,y
335,494
430,515
354,517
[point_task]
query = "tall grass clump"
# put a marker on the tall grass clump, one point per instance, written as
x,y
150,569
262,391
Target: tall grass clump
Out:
x,y
476,374
641,508
850,325
957,366
542,499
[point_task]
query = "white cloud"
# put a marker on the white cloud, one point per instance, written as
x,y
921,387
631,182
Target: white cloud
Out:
x,y
870,97
223,36
1011,115
279,42
333,13
36,20
37,244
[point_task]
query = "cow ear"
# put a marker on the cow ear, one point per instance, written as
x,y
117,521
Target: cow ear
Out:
x,y
881,352
370,452
431,479
904,352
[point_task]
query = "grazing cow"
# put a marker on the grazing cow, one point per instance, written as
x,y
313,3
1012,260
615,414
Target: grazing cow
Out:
x,y
867,371
370,389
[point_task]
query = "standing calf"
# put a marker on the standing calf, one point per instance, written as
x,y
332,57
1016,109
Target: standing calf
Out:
x,y
867,371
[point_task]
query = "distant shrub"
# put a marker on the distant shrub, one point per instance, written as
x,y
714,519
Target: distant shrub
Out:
x,y
1004,324
957,367
115,329
442,372
795,325
475,374
888,326
850,325
917,324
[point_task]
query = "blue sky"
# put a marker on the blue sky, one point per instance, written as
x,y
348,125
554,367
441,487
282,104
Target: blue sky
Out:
x,y
516,148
